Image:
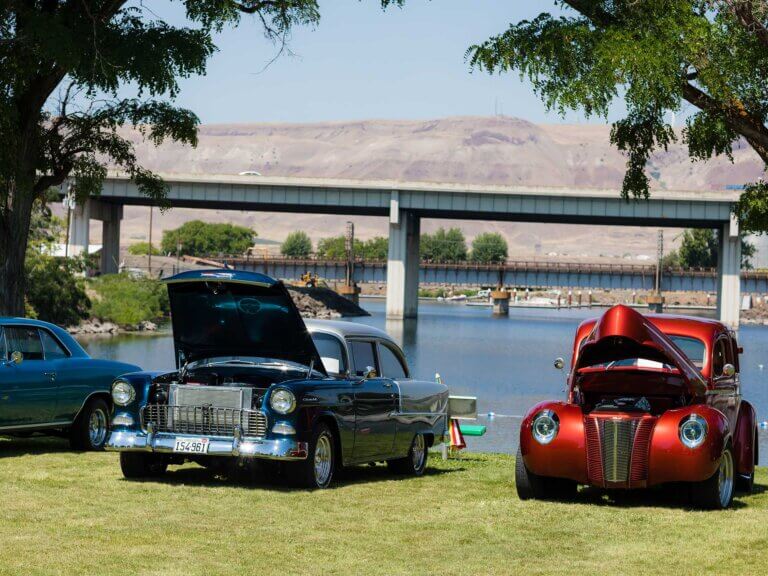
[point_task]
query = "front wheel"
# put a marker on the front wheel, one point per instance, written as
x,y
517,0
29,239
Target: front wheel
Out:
x,y
91,429
318,469
716,492
142,465
530,485
415,463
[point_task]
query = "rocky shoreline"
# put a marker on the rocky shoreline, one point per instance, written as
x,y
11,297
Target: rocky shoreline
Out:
x,y
321,303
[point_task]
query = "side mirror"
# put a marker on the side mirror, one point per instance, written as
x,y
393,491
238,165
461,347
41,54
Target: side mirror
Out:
x,y
729,370
370,372
559,363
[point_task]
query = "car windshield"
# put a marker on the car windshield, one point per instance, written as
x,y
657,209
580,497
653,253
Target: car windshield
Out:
x,y
692,347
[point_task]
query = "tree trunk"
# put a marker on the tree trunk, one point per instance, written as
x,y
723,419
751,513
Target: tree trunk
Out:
x,y
14,232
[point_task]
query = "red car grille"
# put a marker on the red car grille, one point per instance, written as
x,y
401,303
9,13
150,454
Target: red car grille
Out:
x,y
617,450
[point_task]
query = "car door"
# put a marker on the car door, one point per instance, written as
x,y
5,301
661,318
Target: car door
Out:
x,y
375,400
27,389
72,382
394,368
726,393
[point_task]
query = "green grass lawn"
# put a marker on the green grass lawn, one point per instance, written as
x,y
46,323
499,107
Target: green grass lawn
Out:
x,y
65,513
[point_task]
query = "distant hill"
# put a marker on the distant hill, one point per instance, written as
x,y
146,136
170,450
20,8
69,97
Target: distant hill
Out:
x,y
477,150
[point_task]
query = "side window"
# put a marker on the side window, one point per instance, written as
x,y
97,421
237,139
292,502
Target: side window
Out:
x,y
391,365
51,347
331,352
25,340
719,358
363,355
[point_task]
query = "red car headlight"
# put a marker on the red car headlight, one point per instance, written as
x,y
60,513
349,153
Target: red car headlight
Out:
x,y
693,431
545,426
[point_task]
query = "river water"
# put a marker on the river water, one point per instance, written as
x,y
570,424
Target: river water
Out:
x,y
505,362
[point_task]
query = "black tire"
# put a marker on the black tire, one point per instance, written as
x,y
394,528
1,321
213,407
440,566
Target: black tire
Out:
x,y
322,451
713,493
91,429
142,465
415,463
532,486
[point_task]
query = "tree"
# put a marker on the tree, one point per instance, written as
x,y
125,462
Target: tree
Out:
x,y
376,248
143,249
198,238
444,246
63,68
297,245
654,55
489,248
699,248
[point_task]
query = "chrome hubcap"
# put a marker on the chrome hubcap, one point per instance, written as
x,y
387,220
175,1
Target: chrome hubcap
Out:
x,y
419,450
725,478
323,460
97,427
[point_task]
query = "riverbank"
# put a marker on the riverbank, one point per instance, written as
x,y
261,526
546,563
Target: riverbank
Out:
x,y
463,517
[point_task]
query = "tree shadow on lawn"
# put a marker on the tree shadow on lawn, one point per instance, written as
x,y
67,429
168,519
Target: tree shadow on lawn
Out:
x,y
12,446
248,478
675,496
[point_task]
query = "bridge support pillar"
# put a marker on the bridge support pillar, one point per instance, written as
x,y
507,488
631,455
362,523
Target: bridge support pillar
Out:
x,y
729,274
403,263
79,229
110,238
500,300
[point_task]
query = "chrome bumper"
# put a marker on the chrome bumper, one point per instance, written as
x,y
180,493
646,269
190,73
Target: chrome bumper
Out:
x,y
163,442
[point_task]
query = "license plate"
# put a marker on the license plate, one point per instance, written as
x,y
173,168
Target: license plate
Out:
x,y
191,445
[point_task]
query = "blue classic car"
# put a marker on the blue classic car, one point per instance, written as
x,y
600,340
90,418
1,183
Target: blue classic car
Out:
x,y
49,384
251,385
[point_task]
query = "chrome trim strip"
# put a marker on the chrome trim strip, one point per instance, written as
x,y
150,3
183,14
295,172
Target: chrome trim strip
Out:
x,y
44,425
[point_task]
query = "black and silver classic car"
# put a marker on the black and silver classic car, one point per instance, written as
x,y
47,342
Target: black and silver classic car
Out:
x,y
253,381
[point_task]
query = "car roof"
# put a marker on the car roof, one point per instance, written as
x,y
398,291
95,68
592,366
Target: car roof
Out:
x,y
346,329
26,322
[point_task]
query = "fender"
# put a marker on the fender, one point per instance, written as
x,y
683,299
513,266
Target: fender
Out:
x,y
745,439
669,460
565,456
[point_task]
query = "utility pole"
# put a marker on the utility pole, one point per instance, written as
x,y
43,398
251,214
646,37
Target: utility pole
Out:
x,y
350,290
656,300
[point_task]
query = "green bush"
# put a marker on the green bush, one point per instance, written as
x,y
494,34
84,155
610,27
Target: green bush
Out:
x,y
297,245
55,290
126,300
142,249
489,247
198,238
335,248
444,246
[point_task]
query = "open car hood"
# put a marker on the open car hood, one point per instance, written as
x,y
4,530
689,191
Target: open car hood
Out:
x,y
623,333
234,313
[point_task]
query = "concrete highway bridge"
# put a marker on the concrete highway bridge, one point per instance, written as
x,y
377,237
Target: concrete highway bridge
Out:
x,y
405,204
521,274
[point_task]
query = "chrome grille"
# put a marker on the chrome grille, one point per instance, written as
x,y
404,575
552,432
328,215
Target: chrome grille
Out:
x,y
204,420
616,443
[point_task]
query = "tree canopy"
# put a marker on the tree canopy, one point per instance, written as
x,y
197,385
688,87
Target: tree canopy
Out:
x,y
444,246
198,238
489,248
653,55
335,248
699,249
296,245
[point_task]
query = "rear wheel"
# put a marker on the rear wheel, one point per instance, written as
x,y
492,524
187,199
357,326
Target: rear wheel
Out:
x,y
716,492
90,430
318,469
142,465
415,463
530,485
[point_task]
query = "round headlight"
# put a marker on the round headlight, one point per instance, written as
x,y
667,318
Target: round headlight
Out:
x,y
122,393
545,426
693,431
282,401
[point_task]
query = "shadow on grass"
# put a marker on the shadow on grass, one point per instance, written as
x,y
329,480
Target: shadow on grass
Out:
x,y
667,496
11,446
280,481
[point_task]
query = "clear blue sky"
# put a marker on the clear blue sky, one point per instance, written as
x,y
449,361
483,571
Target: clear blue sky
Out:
x,y
362,63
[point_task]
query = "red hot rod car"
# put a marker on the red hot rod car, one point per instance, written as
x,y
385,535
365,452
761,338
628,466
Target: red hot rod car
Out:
x,y
651,400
